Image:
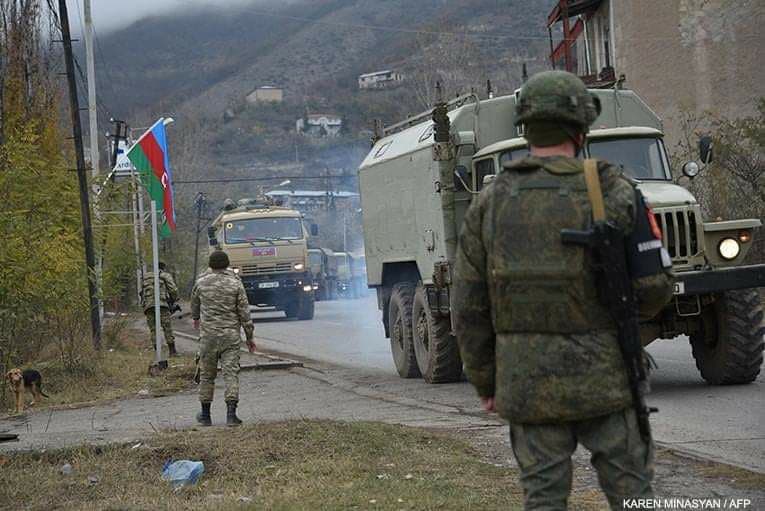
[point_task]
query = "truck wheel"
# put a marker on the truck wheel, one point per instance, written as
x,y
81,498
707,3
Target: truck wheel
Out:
x,y
306,307
400,320
292,308
436,350
728,347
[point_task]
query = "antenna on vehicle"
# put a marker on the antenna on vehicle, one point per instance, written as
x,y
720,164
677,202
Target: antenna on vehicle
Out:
x,y
524,73
439,93
489,90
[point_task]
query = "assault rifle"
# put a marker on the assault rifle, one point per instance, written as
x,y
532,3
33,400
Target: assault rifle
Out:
x,y
606,244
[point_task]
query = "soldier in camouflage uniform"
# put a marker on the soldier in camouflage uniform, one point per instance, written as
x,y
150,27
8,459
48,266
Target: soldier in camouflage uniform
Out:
x,y
219,306
536,342
168,296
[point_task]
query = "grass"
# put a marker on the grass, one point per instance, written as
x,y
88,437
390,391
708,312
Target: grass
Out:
x,y
119,370
298,465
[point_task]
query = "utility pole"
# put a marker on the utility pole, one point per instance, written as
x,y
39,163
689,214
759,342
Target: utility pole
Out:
x,y
87,229
200,203
91,72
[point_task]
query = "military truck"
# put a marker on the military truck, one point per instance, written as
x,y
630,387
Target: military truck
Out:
x,y
341,267
421,175
267,246
323,282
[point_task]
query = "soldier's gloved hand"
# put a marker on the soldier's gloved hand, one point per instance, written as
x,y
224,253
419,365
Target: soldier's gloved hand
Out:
x,y
488,404
196,324
251,346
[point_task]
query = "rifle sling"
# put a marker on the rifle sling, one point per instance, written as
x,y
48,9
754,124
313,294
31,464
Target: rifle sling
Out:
x,y
592,179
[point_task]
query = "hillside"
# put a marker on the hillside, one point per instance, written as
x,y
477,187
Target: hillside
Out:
x,y
201,64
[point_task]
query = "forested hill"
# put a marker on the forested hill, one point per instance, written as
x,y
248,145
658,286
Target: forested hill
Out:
x,y
208,57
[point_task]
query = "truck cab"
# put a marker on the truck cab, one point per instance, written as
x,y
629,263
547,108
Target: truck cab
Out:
x,y
267,247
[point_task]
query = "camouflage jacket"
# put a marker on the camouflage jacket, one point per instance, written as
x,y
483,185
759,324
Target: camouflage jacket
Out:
x,y
219,301
168,291
538,367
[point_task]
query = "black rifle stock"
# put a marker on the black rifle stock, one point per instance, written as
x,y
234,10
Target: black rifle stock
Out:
x,y
606,244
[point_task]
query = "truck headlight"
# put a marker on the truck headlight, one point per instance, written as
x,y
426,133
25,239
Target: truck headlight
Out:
x,y
729,248
298,266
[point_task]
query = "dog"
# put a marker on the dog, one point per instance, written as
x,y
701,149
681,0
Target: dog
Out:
x,y
27,380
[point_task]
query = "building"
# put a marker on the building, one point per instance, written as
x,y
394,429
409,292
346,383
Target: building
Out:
x,y
266,93
380,79
319,125
684,57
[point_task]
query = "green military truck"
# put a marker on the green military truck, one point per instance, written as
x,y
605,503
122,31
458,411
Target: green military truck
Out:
x,y
267,246
421,174
319,264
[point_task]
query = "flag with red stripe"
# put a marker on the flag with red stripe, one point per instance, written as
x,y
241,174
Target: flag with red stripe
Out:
x,y
150,157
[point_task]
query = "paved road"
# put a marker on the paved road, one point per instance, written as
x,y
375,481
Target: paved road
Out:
x,y
723,423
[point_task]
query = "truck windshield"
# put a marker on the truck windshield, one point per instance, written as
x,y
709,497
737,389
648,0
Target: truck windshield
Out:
x,y
513,154
264,229
642,158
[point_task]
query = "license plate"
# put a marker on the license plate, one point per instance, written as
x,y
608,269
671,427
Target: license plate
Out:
x,y
268,285
679,288
264,251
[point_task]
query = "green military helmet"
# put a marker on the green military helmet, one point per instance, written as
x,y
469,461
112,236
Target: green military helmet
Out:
x,y
557,97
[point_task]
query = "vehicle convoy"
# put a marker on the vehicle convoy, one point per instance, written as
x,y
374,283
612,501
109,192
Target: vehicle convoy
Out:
x,y
268,248
421,174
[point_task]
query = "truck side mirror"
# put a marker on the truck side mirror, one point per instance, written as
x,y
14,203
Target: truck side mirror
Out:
x,y
462,174
314,230
211,236
705,149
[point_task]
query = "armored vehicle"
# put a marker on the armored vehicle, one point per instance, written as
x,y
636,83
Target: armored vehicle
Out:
x,y
421,175
267,246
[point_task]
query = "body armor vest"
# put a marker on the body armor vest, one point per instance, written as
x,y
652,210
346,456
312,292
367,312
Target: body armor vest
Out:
x,y
540,284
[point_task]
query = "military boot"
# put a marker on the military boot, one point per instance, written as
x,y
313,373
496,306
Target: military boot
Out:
x,y
231,418
203,417
171,349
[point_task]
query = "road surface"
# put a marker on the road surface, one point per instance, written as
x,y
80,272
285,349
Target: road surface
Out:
x,y
725,423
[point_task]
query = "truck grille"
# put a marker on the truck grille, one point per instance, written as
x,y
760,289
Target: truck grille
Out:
x,y
679,232
262,269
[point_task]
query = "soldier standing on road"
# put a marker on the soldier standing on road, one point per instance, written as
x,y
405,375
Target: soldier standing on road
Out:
x,y
219,306
168,296
535,340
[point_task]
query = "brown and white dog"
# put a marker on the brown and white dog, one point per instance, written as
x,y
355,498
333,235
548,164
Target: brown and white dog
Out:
x,y
29,380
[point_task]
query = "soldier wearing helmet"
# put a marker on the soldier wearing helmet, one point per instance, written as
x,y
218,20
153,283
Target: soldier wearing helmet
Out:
x,y
536,342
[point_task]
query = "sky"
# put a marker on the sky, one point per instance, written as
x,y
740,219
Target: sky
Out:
x,y
114,14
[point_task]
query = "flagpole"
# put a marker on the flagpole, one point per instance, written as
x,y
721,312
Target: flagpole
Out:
x,y
155,267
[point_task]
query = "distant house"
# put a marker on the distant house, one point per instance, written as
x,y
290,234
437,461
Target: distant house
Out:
x,y
266,93
380,79
319,125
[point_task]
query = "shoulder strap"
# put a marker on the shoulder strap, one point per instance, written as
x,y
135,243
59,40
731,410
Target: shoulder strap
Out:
x,y
594,191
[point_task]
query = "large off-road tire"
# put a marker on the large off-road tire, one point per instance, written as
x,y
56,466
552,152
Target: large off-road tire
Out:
x,y
728,347
400,320
306,309
435,348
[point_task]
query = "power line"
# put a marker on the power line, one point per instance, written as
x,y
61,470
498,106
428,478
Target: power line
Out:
x,y
246,179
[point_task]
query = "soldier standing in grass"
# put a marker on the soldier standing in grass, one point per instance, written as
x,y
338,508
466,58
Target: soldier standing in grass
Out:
x,y
220,308
536,341
168,296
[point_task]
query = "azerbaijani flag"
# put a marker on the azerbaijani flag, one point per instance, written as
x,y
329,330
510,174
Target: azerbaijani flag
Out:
x,y
149,156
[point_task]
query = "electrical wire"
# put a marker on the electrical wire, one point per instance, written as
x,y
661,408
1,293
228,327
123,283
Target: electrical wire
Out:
x,y
246,179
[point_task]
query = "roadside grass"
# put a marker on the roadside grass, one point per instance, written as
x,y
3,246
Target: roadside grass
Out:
x,y
297,465
119,370
732,475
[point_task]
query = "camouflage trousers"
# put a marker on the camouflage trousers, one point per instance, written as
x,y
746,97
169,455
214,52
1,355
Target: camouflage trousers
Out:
x,y
227,352
622,459
165,323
